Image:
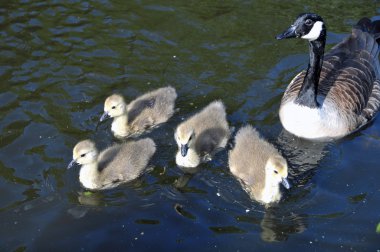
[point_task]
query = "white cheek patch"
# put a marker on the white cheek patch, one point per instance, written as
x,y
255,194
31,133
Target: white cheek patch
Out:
x,y
314,32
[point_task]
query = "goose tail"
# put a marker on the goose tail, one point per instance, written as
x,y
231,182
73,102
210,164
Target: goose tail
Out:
x,y
373,27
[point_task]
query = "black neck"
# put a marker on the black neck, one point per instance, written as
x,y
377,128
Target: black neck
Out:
x,y
308,93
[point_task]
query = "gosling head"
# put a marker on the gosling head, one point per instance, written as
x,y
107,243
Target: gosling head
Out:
x,y
114,106
277,169
84,152
185,139
308,26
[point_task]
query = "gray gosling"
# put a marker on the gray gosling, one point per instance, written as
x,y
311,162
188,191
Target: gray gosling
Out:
x,y
115,165
146,111
258,165
201,135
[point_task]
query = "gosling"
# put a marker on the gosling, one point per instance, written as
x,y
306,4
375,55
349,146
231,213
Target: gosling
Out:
x,y
115,165
202,135
146,111
258,165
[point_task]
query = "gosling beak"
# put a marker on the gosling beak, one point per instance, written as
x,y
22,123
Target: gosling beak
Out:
x,y
285,183
184,149
104,116
72,163
289,33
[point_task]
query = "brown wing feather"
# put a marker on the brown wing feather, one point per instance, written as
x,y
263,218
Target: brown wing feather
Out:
x,y
373,104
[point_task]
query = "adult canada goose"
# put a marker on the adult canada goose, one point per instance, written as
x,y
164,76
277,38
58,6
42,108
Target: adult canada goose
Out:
x,y
114,165
144,112
201,135
340,91
258,165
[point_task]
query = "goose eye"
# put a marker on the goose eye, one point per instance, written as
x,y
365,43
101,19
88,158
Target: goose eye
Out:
x,y
308,22
83,155
113,107
275,171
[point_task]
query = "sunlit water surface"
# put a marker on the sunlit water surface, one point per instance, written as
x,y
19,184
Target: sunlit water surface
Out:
x,y
61,59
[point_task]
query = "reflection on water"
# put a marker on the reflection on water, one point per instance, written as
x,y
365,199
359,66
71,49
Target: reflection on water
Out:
x,y
59,61
303,156
181,211
182,181
279,227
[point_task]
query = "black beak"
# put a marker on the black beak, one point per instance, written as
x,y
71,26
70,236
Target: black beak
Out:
x,y
72,163
104,116
285,183
289,33
184,149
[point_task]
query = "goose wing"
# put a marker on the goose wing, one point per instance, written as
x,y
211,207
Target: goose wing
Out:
x,y
138,106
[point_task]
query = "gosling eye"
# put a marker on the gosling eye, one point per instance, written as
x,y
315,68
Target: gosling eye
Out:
x,y
275,171
308,22
113,107
84,154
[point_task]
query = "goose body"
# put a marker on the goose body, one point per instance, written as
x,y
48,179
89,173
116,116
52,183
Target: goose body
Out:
x,y
340,90
146,111
115,165
201,135
258,165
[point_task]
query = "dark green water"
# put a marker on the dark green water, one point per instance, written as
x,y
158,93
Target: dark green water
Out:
x,y
59,60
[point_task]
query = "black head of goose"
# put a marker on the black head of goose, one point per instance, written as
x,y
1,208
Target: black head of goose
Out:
x,y
340,90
